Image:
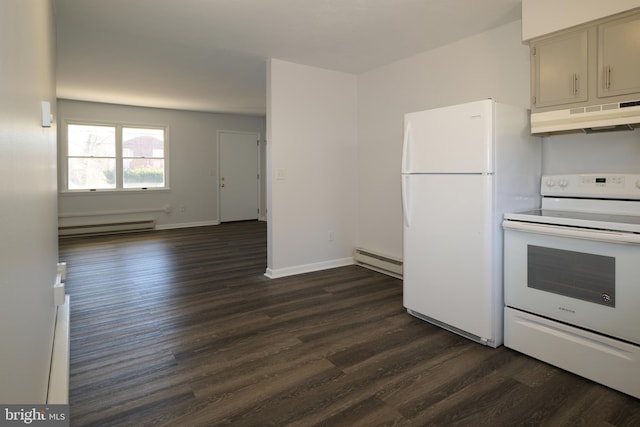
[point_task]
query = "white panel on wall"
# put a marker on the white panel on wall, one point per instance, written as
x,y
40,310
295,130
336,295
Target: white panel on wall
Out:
x,y
28,222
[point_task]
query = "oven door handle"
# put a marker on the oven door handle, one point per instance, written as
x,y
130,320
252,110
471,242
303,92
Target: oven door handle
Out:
x,y
552,230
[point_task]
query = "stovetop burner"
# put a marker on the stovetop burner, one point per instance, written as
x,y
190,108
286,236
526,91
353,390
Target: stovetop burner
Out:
x,y
601,221
604,202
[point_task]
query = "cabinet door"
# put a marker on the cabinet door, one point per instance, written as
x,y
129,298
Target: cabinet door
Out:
x,y
559,70
619,57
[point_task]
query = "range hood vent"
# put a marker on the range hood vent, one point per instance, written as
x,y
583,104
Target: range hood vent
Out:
x,y
594,118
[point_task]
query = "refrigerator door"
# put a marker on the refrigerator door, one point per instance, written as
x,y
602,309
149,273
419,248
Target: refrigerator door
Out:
x,y
448,255
456,139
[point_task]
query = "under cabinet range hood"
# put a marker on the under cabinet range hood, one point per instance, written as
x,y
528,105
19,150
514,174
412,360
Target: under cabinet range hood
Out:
x,y
595,118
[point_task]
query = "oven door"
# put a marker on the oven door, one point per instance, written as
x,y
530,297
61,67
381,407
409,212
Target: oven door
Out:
x,y
586,278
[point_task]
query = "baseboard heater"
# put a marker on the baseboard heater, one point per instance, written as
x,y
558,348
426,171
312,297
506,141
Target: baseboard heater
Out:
x,y
58,392
378,262
106,228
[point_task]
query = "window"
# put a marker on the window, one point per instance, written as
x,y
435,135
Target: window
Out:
x,y
115,157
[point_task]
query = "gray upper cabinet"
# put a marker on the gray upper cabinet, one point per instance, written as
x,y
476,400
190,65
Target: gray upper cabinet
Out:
x,y
587,65
559,69
619,57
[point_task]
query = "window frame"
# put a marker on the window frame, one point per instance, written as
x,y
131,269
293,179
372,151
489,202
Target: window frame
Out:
x,y
119,157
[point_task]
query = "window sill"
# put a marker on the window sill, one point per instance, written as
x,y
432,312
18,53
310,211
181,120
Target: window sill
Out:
x,y
66,193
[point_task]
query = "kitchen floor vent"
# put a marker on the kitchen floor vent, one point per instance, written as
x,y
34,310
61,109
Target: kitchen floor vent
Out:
x,y
106,228
378,262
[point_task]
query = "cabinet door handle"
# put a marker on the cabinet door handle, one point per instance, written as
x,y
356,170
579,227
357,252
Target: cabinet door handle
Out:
x,y
607,77
575,84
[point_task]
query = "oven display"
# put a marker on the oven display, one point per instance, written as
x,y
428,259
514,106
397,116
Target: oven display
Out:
x,y
594,181
583,276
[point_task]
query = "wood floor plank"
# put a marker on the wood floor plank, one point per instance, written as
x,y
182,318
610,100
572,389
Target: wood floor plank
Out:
x,y
182,328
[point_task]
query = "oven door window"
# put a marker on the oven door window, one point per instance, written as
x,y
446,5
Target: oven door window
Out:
x,y
583,276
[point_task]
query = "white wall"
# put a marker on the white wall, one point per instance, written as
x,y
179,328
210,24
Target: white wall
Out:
x,y
193,165
494,64
28,234
311,157
540,17
617,152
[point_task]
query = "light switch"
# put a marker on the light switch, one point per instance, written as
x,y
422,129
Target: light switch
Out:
x,y
281,174
46,114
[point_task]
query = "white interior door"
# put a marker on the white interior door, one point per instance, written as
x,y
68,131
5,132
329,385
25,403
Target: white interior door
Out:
x,y
239,175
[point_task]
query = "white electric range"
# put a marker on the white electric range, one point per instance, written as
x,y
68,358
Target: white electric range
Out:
x,y
572,278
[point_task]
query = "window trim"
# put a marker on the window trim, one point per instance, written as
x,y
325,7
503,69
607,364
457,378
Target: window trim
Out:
x,y
64,157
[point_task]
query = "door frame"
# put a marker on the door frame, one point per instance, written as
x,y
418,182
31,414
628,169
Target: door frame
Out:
x,y
259,169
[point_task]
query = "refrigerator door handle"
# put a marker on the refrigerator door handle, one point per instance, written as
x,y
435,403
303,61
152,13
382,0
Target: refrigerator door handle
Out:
x,y
405,201
405,147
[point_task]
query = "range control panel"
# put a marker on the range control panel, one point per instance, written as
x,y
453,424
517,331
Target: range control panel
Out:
x,y
605,186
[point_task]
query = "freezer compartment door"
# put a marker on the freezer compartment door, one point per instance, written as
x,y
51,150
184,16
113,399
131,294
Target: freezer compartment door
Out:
x,y
457,139
449,253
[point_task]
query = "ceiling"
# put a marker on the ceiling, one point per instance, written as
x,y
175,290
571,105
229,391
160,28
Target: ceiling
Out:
x,y
210,55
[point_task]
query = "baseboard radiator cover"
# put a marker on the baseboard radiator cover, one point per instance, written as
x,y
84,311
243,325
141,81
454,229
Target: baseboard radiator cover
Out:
x,y
58,391
106,228
378,262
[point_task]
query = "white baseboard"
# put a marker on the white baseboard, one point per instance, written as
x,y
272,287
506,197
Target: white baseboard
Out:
x,y
186,225
307,268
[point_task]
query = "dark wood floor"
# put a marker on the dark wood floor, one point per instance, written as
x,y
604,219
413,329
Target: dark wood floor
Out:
x,y
181,328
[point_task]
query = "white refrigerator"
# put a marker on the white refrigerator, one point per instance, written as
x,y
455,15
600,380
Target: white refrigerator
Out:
x,y
463,167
